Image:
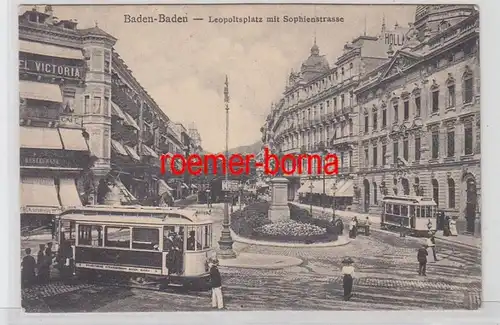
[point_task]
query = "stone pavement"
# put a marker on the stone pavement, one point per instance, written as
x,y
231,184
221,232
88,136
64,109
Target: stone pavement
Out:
x,y
260,261
375,220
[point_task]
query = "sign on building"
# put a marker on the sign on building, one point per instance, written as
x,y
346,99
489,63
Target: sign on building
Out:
x,y
230,186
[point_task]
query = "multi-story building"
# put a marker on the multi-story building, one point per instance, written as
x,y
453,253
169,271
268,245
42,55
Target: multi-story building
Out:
x,y
86,123
419,116
401,110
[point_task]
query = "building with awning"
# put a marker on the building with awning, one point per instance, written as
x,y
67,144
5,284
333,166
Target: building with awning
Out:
x,y
40,91
50,50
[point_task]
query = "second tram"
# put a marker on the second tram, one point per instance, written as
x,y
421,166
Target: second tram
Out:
x,y
415,214
164,246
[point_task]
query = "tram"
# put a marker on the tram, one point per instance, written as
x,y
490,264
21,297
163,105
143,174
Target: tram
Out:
x,y
416,214
155,245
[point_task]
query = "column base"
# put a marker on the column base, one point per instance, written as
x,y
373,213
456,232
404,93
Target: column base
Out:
x,y
226,245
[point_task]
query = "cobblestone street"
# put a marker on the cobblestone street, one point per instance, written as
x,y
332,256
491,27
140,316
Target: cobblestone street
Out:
x,y
386,278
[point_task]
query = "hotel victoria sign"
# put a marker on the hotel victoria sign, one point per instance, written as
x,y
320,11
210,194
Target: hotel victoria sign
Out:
x,y
60,70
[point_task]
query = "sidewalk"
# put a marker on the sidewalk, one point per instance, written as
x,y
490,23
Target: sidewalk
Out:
x,y
260,261
464,240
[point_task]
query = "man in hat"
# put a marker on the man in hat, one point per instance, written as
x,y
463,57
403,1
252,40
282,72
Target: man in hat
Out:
x,y
348,277
216,284
422,260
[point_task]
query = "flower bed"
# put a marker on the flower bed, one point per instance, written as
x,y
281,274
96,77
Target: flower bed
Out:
x,y
292,232
251,217
304,216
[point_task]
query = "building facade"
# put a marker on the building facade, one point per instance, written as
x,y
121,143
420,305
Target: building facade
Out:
x,y
400,110
87,126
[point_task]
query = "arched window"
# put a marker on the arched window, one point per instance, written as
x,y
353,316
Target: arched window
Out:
x,y
435,191
451,193
375,194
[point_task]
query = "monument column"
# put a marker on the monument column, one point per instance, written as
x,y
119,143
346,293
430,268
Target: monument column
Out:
x,y
279,211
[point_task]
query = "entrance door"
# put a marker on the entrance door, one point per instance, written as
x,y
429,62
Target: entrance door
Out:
x,y
470,209
366,196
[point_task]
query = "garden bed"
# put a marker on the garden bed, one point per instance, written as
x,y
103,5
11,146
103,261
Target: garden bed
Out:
x,y
253,223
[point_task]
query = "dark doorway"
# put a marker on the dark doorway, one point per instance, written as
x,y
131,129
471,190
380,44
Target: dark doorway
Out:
x,y
470,209
366,185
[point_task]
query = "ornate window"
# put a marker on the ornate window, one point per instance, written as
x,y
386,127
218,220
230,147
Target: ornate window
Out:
x,y
384,116
468,86
366,121
396,110
435,191
451,143
384,153
451,193
366,157
375,155
375,194
469,143
395,151
405,149
450,95
435,144
406,109
417,148
435,97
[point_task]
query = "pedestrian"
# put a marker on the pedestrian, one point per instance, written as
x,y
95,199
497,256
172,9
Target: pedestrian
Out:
x,y
28,265
169,247
348,277
431,242
402,229
422,260
41,264
340,226
453,227
49,255
353,228
446,226
216,284
367,226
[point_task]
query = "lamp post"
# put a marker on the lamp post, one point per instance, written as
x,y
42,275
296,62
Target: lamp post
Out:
x,y
241,194
311,186
225,241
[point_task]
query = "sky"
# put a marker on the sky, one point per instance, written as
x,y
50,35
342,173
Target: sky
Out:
x,y
183,66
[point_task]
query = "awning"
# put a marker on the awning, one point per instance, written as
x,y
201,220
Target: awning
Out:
x,y
40,138
73,139
132,153
163,187
39,196
346,189
40,91
184,185
68,193
127,119
305,188
149,152
118,148
194,186
319,186
50,50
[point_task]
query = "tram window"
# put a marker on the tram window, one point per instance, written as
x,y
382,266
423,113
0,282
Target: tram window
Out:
x,y
418,212
145,238
404,210
67,231
194,239
173,239
117,237
389,208
412,211
207,230
428,212
90,235
396,210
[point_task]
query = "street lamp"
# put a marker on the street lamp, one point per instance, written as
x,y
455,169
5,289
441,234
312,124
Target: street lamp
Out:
x,y
225,241
241,193
311,186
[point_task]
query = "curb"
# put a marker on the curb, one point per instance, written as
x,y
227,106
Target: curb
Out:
x,y
413,238
283,262
248,241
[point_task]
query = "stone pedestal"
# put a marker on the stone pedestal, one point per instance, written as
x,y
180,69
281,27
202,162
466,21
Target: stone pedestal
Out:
x,y
279,211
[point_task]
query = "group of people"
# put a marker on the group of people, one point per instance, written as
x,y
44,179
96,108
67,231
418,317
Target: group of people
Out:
x,y
423,253
37,270
173,244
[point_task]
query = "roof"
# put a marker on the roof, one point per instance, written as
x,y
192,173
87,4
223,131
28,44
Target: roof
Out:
x,y
136,215
96,31
411,199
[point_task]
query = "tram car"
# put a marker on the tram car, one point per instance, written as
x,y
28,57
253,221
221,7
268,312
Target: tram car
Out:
x,y
415,214
143,245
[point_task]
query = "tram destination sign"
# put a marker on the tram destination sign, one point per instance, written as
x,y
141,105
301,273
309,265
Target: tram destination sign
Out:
x,y
121,268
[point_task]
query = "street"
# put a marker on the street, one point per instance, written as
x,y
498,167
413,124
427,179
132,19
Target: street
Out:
x,y
386,278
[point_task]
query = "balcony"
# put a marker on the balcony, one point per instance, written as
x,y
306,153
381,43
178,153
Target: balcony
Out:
x,y
123,99
343,140
123,133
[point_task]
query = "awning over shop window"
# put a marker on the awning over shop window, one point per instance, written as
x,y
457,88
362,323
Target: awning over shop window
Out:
x,y
163,187
50,50
194,186
118,148
346,189
132,153
127,119
184,185
68,193
305,188
149,152
319,186
40,91
39,196
40,138
73,139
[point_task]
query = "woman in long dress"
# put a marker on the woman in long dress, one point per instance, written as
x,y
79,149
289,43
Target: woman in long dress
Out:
x,y
348,277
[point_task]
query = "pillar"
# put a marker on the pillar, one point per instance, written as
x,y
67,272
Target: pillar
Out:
x,y
279,211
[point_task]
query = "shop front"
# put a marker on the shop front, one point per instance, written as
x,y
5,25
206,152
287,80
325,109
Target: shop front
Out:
x,y
52,160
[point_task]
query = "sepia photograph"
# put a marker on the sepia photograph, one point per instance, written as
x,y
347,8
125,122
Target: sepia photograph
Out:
x,y
249,157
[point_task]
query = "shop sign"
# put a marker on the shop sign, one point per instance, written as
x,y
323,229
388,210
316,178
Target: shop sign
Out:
x,y
46,158
230,186
51,68
118,268
394,39
70,120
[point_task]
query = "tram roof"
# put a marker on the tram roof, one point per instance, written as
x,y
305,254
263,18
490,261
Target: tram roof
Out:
x,y
420,200
136,215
